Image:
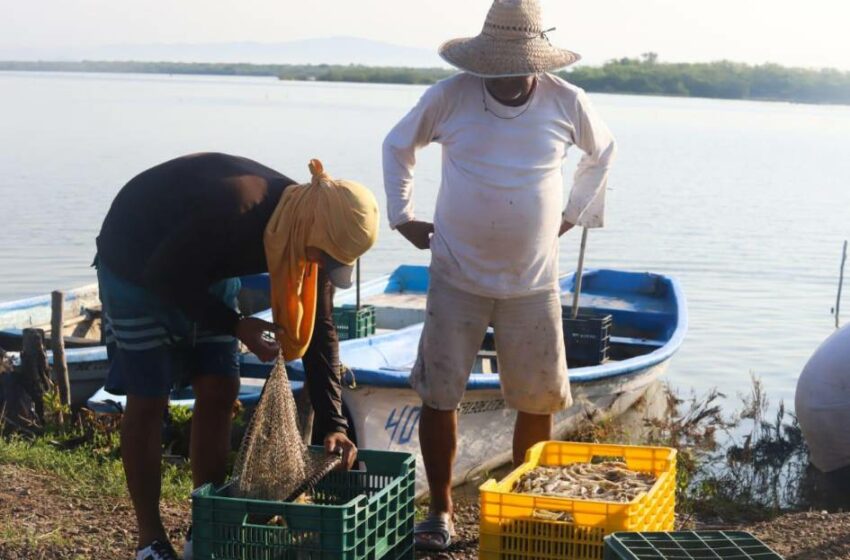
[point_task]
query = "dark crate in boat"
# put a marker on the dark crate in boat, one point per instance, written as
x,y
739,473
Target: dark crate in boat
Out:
x,y
586,337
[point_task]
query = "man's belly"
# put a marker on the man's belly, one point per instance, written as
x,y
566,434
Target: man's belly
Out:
x,y
506,241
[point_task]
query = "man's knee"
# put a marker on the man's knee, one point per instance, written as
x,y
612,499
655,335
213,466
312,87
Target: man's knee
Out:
x,y
145,406
142,415
532,417
216,390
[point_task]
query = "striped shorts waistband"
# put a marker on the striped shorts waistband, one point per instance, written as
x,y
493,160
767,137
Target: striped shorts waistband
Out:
x,y
146,333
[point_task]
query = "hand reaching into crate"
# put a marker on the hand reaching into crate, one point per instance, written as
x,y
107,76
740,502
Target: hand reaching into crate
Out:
x,y
339,444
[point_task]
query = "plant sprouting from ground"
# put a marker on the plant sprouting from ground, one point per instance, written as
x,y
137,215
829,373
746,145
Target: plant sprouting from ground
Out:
x,y
730,466
753,470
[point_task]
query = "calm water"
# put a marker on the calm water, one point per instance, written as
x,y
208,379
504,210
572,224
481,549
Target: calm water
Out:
x,y
746,203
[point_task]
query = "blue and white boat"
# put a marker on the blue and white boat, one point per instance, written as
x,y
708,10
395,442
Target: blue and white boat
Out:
x,y
84,352
649,324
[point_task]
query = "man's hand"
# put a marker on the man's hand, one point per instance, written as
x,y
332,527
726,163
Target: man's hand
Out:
x,y
418,233
565,227
250,331
338,442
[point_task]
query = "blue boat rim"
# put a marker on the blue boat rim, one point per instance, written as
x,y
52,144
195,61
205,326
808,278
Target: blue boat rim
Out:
x,y
389,378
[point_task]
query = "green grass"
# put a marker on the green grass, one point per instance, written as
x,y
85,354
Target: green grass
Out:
x,y
420,513
88,470
27,537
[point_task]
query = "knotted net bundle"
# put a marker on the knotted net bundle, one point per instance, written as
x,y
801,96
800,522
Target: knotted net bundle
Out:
x,y
273,461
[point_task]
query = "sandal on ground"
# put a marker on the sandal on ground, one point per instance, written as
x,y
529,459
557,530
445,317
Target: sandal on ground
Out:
x,y
434,533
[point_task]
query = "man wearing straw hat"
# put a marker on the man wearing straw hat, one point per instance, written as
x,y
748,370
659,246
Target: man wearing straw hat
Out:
x,y
505,124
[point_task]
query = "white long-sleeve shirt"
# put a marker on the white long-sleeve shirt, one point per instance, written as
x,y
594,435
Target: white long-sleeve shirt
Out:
x,y
499,205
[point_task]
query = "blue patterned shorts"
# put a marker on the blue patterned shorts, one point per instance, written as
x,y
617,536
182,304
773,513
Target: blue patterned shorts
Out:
x,y
154,347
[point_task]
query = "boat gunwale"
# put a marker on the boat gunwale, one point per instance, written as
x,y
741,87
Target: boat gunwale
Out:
x,y
44,300
483,381
400,379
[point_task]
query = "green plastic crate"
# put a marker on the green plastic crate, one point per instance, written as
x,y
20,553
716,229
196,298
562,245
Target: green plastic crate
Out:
x,y
357,515
687,545
354,323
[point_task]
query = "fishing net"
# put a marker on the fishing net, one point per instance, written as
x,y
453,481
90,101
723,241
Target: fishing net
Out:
x,y
273,462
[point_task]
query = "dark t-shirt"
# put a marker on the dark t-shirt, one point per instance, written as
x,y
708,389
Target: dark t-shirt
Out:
x,y
177,228
181,226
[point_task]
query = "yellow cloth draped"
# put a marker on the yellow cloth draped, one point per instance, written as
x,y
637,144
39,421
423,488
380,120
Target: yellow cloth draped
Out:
x,y
337,216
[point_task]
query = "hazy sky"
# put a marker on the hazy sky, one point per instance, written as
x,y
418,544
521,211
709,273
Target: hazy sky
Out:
x,y
793,32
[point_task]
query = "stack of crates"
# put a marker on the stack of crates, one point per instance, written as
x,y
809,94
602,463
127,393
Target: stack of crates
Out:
x,y
355,515
353,322
687,545
511,531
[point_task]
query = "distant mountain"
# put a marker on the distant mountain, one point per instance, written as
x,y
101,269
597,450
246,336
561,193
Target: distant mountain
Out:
x,y
331,50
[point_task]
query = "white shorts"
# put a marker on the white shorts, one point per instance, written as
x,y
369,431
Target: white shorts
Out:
x,y
529,345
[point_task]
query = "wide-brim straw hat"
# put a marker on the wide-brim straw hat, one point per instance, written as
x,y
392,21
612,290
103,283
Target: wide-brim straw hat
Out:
x,y
512,43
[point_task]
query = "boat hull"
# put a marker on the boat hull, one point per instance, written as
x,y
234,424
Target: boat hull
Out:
x,y
387,418
88,367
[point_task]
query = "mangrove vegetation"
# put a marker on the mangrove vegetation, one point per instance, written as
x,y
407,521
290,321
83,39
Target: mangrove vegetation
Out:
x,y
646,75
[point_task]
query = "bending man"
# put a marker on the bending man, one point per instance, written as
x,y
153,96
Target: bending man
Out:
x,y
170,252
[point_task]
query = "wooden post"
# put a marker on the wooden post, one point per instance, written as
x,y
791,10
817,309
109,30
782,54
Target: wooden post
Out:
x,y
840,285
358,284
9,398
33,375
5,362
57,343
579,273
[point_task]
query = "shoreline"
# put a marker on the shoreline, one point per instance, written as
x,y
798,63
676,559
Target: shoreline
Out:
x,y
624,77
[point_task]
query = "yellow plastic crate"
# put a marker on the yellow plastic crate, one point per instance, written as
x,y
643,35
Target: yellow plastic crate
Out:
x,y
510,532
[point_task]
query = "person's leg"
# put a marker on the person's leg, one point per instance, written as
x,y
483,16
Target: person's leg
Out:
x,y
438,442
532,365
142,368
141,453
209,442
528,430
454,328
143,365
214,365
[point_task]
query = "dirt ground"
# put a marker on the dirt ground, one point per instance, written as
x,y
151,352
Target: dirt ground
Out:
x,y
807,536
38,522
795,536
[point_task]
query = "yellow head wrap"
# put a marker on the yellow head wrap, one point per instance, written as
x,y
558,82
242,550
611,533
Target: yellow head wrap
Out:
x,y
338,217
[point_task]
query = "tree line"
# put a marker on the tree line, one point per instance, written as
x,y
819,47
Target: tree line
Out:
x,y
645,76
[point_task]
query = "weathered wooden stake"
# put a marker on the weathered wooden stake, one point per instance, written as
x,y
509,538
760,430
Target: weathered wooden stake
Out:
x,y
9,399
34,373
57,343
840,285
358,284
579,272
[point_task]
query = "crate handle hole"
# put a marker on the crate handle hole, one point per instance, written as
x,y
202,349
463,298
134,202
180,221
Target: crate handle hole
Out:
x,y
266,521
596,459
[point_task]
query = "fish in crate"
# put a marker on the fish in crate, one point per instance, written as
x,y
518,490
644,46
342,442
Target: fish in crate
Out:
x,y
567,497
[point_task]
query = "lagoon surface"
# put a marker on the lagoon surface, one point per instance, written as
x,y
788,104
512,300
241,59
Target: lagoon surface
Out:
x,y
746,203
